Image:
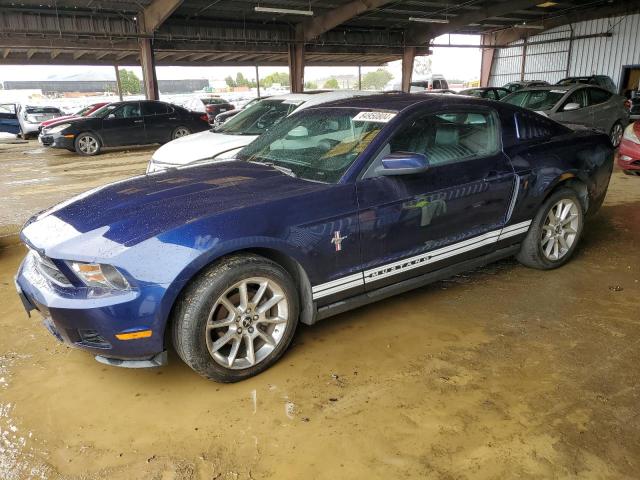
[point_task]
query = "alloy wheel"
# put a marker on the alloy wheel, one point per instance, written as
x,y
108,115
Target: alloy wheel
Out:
x,y
88,144
181,132
560,229
616,134
247,323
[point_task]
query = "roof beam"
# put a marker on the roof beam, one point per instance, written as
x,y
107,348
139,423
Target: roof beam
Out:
x,y
315,27
156,13
419,36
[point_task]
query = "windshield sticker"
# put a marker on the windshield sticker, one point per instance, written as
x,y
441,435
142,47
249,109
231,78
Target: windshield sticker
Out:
x,y
379,117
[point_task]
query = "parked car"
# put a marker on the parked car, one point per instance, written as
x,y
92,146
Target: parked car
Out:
x,y
83,112
490,93
31,116
223,117
629,153
519,85
226,140
602,81
124,123
210,105
577,104
435,82
334,207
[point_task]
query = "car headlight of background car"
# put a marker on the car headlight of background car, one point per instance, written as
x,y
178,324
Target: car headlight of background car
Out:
x,y
99,275
58,128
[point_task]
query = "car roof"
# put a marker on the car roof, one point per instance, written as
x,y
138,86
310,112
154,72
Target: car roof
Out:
x,y
400,101
312,98
566,88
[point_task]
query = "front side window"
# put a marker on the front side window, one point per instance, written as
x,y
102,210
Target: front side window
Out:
x,y
576,97
536,99
128,110
317,144
256,119
449,137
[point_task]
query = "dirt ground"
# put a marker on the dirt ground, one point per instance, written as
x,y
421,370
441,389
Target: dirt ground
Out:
x,y
501,373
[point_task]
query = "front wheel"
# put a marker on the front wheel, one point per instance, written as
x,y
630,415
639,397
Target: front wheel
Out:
x,y
554,232
236,319
617,131
87,144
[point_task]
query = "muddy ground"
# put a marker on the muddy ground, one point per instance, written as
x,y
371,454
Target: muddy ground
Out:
x,y
504,372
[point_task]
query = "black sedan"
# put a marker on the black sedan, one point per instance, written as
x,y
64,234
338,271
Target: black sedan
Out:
x,y
124,123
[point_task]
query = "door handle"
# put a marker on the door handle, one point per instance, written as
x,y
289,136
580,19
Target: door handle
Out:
x,y
138,121
173,118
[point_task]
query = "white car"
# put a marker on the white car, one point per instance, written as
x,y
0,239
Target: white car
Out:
x,y
226,140
30,117
430,82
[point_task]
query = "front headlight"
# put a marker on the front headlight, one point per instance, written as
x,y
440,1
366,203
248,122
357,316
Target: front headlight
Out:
x,y
58,128
99,275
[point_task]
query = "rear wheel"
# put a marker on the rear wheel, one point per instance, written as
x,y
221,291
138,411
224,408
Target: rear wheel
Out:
x,y
554,232
180,132
617,131
236,319
87,144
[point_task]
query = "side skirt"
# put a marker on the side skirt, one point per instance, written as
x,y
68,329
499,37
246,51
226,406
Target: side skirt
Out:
x,y
411,283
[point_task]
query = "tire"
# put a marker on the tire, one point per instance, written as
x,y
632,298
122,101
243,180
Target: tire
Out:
x,y
616,133
205,332
180,131
87,144
534,252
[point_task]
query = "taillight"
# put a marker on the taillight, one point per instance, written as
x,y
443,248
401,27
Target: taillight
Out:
x,y
632,133
204,117
627,105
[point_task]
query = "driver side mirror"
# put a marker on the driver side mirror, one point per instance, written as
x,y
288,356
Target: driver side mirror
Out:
x,y
403,163
571,106
111,116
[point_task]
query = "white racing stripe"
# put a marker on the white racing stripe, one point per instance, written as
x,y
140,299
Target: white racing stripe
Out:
x,y
401,266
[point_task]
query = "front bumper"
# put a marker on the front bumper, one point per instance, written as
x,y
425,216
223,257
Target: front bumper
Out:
x,y
92,322
56,140
629,156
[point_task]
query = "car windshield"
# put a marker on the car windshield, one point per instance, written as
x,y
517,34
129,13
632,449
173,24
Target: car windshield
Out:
x,y
104,111
83,111
535,99
255,119
317,144
38,110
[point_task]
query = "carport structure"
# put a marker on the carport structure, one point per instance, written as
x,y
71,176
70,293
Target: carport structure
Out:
x,y
268,32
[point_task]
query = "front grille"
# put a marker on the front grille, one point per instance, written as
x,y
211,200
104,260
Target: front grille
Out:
x,y
49,270
48,140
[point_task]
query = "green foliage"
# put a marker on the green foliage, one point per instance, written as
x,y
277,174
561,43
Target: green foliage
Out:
x,y
332,83
278,77
230,81
310,85
129,82
376,80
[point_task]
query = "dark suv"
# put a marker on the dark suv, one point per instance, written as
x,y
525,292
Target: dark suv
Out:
x,y
599,80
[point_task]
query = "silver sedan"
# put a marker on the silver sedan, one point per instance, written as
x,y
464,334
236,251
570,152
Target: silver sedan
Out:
x,y
583,105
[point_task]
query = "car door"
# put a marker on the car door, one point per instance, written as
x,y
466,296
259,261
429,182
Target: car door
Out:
x,y
124,126
159,121
413,224
581,116
603,108
9,118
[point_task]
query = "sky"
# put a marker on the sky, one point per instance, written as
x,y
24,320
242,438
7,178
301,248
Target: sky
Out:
x,y
453,63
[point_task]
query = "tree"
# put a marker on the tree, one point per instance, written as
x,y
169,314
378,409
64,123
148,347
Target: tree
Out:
x,y
231,83
376,80
241,81
281,78
310,85
129,82
332,83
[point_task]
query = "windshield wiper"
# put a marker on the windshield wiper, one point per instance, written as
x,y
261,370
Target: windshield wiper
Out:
x,y
285,170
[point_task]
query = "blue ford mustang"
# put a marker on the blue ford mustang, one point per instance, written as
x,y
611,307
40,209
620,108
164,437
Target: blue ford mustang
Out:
x,y
332,208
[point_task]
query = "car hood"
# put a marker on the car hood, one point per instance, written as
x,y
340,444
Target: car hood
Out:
x,y
199,146
125,213
57,120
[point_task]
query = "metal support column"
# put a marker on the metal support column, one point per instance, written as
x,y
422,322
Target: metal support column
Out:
x,y
258,80
408,56
148,63
523,64
296,67
118,84
359,77
488,54
567,73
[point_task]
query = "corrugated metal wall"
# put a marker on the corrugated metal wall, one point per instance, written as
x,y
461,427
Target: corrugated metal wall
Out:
x,y
552,61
